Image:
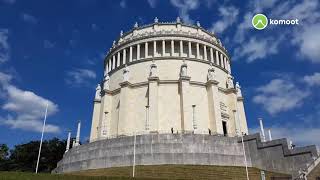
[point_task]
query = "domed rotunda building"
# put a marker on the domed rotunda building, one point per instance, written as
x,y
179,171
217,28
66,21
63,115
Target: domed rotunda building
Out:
x,y
168,97
167,77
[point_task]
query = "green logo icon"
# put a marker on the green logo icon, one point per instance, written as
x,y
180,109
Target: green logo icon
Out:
x,y
259,21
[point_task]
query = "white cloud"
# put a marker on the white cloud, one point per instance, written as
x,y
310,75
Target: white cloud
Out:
x,y
48,44
29,18
184,7
312,80
306,11
25,108
298,135
79,77
229,15
256,49
302,36
280,95
152,3
308,42
123,4
4,46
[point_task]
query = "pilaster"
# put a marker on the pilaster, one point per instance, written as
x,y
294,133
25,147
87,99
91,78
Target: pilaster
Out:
x,y
215,122
153,103
124,107
95,120
242,115
185,105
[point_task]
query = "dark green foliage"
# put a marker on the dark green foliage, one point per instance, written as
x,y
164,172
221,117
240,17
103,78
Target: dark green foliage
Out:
x,y
4,152
24,156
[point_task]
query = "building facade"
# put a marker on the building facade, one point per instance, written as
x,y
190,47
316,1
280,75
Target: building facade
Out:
x,y
167,78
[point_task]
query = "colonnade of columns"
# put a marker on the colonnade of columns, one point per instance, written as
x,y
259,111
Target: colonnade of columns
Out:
x,y
167,48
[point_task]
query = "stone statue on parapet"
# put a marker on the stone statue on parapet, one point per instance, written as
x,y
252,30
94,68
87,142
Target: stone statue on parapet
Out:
x,y
153,69
183,70
126,74
178,20
238,88
106,82
230,81
98,92
156,20
211,73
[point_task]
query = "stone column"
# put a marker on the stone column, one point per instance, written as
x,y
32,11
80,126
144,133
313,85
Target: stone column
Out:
x,y
205,52
217,58
124,56
130,54
110,64
181,48
172,48
119,60
146,49
221,58
138,51
229,66
154,48
113,62
198,51
211,55
190,50
163,48
107,69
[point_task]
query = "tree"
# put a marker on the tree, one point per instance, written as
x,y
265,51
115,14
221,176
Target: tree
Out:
x,y
24,156
4,152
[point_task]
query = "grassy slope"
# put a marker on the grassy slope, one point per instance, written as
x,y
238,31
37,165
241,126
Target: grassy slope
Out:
x,y
149,172
183,172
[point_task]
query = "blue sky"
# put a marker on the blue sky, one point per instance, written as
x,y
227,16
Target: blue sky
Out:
x,y
52,52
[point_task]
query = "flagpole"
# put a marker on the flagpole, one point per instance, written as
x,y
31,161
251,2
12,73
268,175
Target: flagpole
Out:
x,y
44,124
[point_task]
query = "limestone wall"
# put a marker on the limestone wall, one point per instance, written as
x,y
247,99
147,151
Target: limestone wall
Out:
x,y
157,149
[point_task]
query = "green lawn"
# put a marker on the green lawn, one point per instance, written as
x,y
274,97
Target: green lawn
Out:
x,y
42,176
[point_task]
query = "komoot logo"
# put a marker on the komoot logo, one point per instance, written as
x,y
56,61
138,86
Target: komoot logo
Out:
x,y
260,21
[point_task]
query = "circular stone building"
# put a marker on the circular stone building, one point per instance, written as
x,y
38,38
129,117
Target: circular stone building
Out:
x,y
167,77
168,98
